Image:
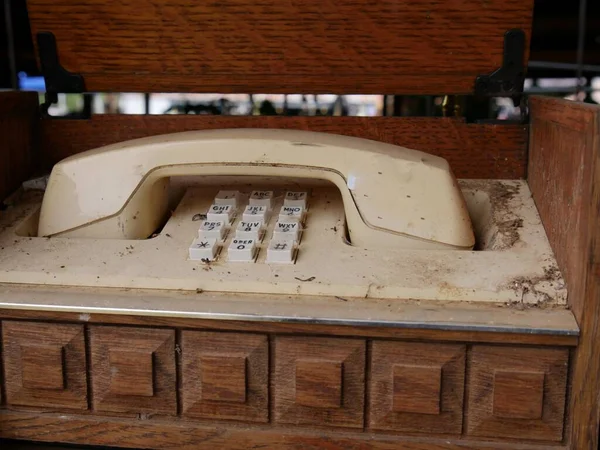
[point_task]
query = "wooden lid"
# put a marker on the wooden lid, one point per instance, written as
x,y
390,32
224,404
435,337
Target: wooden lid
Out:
x,y
275,46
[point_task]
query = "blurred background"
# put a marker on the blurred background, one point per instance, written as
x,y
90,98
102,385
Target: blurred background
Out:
x,y
564,62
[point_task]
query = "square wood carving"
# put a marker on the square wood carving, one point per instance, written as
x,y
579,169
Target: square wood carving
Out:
x,y
319,381
133,370
416,388
517,392
45,365
225,375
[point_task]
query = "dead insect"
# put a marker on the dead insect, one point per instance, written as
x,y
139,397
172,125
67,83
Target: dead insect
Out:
x,y
197,217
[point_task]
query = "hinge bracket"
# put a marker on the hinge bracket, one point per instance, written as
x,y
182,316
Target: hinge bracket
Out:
x,y
508,80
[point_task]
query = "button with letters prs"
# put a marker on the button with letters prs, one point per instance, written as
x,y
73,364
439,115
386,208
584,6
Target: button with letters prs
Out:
x,y
212,229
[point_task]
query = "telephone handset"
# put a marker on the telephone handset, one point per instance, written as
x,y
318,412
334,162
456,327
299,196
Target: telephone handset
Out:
x,y
392,196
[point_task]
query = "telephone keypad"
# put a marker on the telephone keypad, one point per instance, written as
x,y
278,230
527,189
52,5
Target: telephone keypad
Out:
x,y
250,219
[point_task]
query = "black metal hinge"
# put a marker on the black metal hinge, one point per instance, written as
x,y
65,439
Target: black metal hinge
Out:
x,y
508,80
56,78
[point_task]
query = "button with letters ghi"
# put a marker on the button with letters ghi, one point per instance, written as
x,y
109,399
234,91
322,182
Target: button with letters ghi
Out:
x,y
261,198
249,230
295,199
280,251
220,212
212,229
287,230
203,249
242,250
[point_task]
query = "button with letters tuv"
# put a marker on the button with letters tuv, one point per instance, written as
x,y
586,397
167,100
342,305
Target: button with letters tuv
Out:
x,y
291,212
227,198
249,230
212,229
261,198
220,212
255,213
242,250
203,249
280,251
295,199
287,230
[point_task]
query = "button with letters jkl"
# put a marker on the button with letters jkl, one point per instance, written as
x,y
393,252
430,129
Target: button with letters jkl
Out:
x,y
255,213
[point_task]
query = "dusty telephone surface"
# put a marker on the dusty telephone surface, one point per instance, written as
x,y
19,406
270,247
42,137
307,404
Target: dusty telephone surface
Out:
x,y
277,212
392,196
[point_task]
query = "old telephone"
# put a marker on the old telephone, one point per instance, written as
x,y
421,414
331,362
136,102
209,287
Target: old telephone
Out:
x,y
392,196
274,211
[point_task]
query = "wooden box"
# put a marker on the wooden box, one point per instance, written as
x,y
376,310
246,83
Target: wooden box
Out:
x,y
79,367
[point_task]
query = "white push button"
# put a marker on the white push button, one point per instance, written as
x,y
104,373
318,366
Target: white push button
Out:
x,y
280,251
214,229
286,230
220,213
291,213
261,198
203,249
255,213
227,198
249,230
242,250
295,199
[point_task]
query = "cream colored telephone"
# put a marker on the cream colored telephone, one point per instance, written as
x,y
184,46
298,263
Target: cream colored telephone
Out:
x,y
392,196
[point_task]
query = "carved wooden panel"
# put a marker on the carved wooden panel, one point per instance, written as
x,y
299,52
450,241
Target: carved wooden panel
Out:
x,y
416,387
319,381
341,46
45,365
517,392
133,370
225,375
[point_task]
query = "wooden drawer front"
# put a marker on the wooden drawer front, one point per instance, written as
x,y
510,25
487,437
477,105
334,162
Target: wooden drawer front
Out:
x,y
416,387
133,370
319,381
225,375
45,365
517,392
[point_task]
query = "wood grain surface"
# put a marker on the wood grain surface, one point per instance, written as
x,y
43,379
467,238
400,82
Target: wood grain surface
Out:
x,y
155,434
225,376
316,46
44,365
133,370
564,176
309,367
516,393
18,114
416,387
472,150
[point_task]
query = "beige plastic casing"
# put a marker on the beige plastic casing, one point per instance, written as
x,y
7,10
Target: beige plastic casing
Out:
x,y
393,196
